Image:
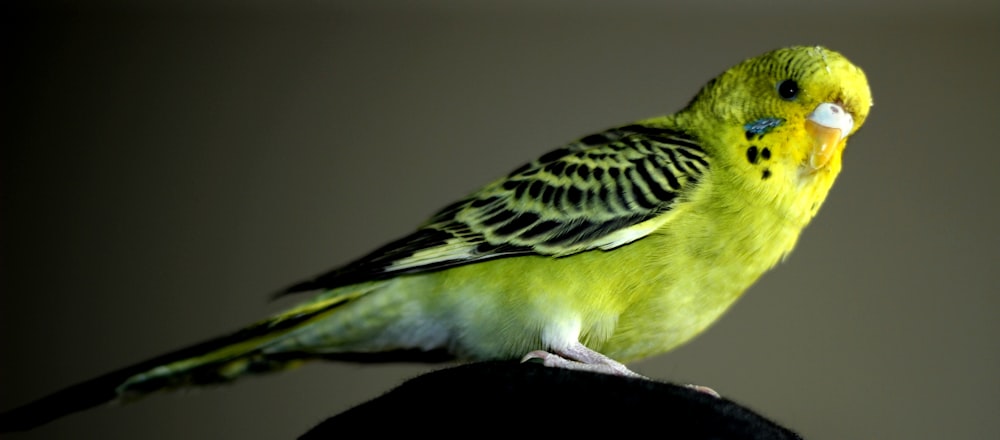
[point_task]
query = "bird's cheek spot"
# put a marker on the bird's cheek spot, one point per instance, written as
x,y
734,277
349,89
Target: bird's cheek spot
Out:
x,y
766,174
761,126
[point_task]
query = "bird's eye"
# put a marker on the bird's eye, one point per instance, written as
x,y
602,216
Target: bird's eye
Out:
x,y
788,89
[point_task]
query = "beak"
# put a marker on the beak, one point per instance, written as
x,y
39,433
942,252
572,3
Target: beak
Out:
x,y
828,125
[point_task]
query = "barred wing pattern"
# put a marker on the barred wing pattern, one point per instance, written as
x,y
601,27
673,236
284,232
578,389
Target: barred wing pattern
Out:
x,y
603,191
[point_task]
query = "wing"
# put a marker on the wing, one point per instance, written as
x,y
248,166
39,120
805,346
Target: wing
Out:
x,y
601,192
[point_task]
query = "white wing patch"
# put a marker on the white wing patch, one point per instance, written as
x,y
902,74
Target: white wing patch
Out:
x,y
625,236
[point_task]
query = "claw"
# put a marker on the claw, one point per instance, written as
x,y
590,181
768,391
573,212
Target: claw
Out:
x,y
704,389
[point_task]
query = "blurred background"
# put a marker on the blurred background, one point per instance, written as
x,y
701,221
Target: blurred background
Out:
x,y
166,167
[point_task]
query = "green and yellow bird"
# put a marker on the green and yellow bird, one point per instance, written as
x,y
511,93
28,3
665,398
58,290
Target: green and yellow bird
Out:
x,y
621,245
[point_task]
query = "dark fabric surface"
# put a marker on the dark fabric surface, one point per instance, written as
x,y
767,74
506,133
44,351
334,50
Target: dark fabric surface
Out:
x,y
530,399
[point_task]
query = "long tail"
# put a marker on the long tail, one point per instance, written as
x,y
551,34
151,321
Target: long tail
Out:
x,y
215,361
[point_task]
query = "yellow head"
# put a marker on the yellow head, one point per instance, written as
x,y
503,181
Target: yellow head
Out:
x,y
805,101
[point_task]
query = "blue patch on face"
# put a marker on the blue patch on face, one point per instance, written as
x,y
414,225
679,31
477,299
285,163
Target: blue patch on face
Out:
x,y
762,125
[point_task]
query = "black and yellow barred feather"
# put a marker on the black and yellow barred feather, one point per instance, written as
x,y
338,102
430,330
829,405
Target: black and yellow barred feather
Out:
x,y
585,195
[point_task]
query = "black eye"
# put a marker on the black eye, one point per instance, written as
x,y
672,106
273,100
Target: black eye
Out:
x,y
788,89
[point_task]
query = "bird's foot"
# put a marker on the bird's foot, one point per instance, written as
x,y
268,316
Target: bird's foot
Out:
x,y
579,357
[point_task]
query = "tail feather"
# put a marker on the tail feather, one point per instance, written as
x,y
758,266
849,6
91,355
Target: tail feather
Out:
x,y
214,361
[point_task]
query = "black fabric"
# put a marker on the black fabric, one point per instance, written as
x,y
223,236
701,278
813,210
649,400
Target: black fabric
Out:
x,y
531,400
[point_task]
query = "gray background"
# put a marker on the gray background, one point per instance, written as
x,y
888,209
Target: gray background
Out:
x,y
166,167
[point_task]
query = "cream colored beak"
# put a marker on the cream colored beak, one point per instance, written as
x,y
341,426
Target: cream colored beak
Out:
x,y
828,125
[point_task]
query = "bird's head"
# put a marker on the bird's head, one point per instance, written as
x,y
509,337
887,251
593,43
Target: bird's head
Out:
x,y
805,101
